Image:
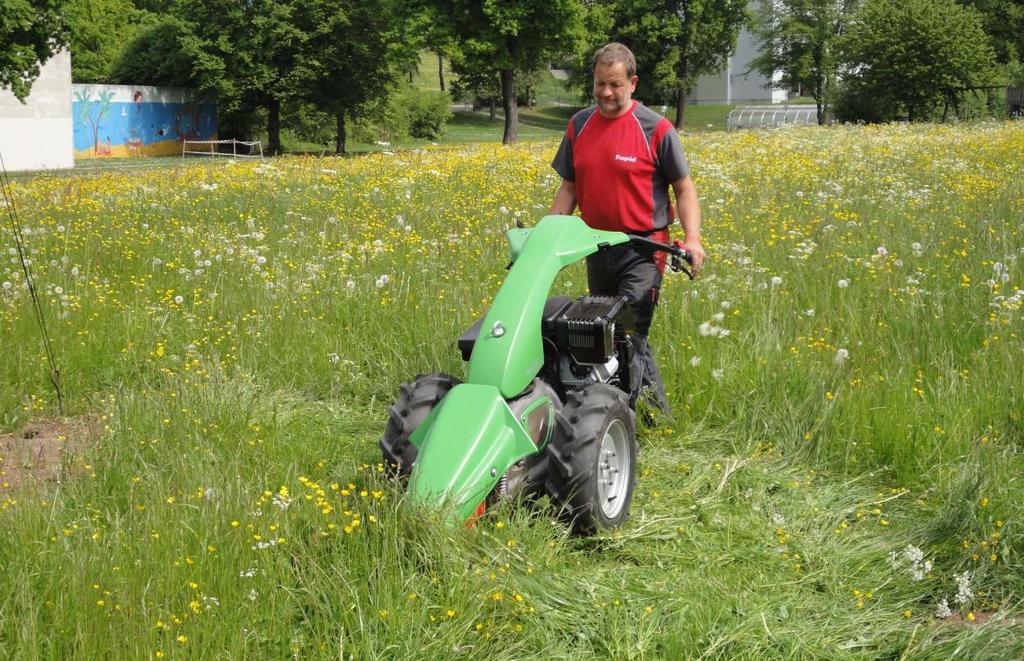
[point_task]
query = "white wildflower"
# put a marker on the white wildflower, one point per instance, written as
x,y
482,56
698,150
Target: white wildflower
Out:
x,y
964,593
694,361
881,251
717,373
809,312
705,329
942,611
718,316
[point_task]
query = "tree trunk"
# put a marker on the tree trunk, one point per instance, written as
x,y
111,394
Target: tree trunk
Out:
x,y
508,99
494,110
274,127
440,70
680,106
339,136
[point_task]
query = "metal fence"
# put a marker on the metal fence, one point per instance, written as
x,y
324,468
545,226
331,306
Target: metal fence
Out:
x,y
760,117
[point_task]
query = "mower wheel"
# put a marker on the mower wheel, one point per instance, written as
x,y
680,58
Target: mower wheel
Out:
x,y
592,459
414,403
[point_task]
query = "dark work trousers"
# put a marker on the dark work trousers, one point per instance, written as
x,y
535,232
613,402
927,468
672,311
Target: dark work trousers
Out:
x,y
626,270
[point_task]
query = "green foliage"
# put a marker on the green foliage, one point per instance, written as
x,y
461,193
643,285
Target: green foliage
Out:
x,y
915,55
352,56
31,31
99,31
508,40
676,42
799,39
406,112
159,55
1003,20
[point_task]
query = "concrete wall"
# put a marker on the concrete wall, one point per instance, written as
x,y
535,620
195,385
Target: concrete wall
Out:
x,y
734,84
37,135
126,120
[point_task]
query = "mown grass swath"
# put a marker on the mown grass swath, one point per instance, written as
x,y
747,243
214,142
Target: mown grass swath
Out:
x,y
842,462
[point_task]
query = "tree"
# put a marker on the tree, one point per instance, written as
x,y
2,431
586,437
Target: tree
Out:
x,y
31,32
510,38
799,39
915,54
1003,20
352,56
677,41
98,32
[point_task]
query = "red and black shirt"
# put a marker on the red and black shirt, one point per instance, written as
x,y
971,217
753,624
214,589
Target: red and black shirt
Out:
x,y
622,168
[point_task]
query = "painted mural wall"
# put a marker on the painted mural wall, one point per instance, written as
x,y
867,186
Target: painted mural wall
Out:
x,y
125,121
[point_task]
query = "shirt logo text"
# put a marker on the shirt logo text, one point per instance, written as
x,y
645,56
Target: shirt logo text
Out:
x,y
627,159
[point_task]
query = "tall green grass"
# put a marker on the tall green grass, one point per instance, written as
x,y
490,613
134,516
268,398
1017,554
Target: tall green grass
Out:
x,y
843,375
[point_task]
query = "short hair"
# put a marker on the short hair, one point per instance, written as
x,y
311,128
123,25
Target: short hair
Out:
x,y
612,53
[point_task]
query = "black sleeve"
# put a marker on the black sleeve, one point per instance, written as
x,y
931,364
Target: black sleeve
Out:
x,y
563,163
671,157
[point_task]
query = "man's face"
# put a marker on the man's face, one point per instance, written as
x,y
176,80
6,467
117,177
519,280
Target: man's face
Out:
x,y
613,89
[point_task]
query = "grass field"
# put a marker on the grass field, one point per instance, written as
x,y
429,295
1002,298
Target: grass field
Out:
x,y
840,479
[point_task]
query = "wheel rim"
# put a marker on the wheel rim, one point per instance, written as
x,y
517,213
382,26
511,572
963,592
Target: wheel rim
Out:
x,y
613,468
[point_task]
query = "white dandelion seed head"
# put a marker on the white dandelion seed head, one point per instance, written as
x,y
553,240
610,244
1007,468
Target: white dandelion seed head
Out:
x,y
7,284
179,299
74,271
809,312
776,280
916,247
350,285
881,251
718,316
841,356
843,283
725,305
261,260
997,267
705,329
694,361
58,290
717,373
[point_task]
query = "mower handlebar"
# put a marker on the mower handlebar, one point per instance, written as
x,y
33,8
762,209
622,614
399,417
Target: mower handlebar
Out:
x,y
677,252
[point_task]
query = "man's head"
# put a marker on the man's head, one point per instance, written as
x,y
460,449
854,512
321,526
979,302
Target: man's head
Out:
x,y
614,79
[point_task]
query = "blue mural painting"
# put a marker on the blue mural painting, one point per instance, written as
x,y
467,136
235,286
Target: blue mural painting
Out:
x,y
123,121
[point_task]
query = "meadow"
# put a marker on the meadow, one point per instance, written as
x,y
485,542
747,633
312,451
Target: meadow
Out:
x,y
840,478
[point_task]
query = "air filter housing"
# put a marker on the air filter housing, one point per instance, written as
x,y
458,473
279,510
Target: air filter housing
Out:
x,y
587,328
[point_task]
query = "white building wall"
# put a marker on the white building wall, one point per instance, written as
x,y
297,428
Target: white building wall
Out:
x,y
37,135
734,84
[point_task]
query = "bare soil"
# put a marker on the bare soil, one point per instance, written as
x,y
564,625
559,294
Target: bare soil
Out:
x,y
42,451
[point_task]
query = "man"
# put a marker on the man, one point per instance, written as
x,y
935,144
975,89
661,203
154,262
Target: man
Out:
x,y
617,161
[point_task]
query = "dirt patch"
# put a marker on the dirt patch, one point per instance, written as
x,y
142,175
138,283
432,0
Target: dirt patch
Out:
x,y
982,617
41,451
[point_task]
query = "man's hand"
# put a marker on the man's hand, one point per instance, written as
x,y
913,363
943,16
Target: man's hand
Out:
x,y
697,253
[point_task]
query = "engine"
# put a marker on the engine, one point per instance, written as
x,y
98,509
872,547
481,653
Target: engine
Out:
x,y
590,337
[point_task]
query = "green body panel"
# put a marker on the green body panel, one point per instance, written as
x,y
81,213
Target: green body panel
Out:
x,y
472,439
511,361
